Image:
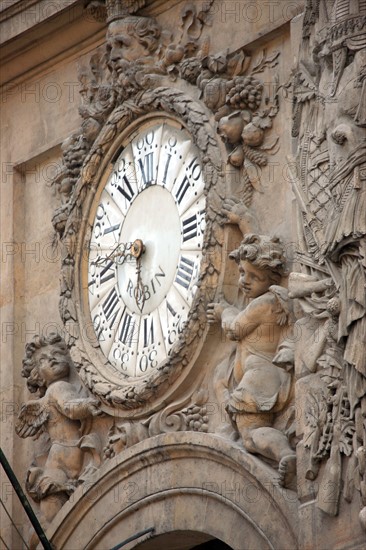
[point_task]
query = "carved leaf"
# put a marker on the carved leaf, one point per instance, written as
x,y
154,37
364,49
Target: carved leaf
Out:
x,y
264,62
254,176
238,64
102,389
313,420
346,439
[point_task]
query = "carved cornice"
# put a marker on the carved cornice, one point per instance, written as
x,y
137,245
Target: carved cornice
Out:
x,y
117,9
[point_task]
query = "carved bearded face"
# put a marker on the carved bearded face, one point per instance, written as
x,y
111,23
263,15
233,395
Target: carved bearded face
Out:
x,y
253,280
129,40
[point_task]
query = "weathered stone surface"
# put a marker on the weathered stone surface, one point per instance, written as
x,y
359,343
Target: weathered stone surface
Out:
x,y
181,482
192,447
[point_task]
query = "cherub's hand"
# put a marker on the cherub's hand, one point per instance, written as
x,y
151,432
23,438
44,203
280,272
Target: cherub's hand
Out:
x,y
237,213
214,311
234,210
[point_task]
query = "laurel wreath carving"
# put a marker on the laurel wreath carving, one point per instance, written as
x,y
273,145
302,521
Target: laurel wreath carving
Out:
x,y
98,374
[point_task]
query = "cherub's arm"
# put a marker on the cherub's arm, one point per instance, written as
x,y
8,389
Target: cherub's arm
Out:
x,y
217,311
239,324
248,320
70,404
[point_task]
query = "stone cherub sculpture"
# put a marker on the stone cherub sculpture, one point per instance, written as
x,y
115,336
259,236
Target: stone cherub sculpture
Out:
x,y
64,412
256,388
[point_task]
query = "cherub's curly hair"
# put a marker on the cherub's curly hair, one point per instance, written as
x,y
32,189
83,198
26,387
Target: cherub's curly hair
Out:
x,y
263,252
30,365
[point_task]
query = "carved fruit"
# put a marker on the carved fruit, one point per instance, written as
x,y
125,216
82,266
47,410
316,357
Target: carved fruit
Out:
x,y
214,93
174,54
223,111
66,186
236,158
252,135
231,127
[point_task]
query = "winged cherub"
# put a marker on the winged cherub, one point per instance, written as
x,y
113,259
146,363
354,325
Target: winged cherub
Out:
x,y
256,388
63,411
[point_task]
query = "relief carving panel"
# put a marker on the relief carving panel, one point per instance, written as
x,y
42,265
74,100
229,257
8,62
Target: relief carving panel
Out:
x,y
329,124
143,76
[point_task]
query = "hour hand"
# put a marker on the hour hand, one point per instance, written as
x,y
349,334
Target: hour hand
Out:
x,y
123,251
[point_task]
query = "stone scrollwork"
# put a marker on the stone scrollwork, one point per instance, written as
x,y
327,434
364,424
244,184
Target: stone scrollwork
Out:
x,y
64,412
192,417
330,189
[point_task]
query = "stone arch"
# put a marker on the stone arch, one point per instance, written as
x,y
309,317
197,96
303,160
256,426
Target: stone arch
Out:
x,y
183,540
180,482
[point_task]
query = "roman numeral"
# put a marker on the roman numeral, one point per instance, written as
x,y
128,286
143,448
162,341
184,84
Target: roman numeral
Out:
x,y
108,272
185,272
147,168
97,322
166,169
182,190
190,228
112,228
109,306
126,189
127,328
170,309
148,332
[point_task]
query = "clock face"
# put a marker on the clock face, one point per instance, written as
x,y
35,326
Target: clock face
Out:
x,y
154,197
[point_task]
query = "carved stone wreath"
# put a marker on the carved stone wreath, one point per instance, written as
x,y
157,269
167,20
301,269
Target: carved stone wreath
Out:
x,y
94,369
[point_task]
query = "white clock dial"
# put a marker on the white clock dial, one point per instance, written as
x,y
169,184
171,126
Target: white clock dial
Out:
x,y
154,196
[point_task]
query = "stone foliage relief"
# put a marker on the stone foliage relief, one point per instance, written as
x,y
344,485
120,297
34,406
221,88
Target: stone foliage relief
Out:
x,y
329,185
123,85
141,72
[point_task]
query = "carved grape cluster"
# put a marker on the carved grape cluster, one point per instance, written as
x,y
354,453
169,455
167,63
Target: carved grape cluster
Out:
x,y
246,92
196,418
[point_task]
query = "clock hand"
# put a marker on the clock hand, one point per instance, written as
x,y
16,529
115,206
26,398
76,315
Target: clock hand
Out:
x,y
137,249
122,252
139,293
119,255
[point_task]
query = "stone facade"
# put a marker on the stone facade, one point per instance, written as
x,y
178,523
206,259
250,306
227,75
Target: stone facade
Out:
x,y
178,395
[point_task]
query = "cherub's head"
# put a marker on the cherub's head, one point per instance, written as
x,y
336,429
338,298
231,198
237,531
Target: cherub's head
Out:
x,y
261,263
47,360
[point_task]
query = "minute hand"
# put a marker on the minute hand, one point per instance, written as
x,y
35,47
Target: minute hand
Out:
x,y
137,249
